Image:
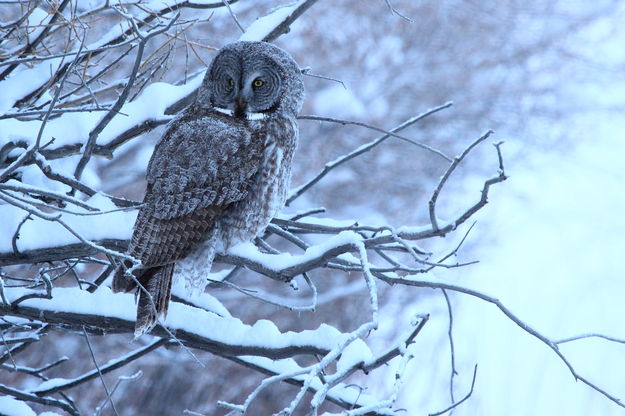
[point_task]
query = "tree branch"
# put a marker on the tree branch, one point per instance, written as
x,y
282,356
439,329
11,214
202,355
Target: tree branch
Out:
x,y
285,25
29,397
100,325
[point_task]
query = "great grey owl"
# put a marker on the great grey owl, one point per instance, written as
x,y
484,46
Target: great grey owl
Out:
x,y
219,174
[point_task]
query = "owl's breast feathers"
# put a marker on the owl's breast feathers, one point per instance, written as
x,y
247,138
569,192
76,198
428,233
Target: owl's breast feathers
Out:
x,y
246,218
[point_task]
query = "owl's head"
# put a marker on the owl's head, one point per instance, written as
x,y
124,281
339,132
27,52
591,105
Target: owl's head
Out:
x,y
250,78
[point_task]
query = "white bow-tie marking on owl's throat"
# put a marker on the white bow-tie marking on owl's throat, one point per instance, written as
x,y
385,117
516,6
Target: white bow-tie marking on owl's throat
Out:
x,y
249,116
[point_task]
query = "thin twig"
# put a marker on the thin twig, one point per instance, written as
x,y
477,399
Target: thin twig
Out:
x,y
234,16
306,71
593,335
394,10
118,383
456,404
95,362
107,368
452,352
379,130
455,163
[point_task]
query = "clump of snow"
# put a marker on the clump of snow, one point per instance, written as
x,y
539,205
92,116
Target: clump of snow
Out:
x,y
355,353
231,331
22,82
12,407
264,25
324,331
202,300
40,233
74,300
262,331
49,384
283,261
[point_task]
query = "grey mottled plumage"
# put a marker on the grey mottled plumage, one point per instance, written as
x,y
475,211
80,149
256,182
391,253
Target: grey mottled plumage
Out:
x,y
218,175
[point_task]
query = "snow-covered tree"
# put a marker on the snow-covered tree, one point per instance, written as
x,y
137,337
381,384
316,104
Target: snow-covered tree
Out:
x,y
85,90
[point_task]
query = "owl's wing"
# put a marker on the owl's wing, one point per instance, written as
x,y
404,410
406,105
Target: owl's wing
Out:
x,y
200,167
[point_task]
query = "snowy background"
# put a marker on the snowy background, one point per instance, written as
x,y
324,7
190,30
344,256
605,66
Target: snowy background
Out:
x,y
550,246
550,80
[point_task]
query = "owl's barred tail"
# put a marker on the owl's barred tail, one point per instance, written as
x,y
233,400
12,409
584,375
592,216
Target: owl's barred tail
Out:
x,y
153,297
154,293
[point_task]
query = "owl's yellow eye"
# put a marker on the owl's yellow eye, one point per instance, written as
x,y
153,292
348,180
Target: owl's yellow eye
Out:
x,y
230,82
258,83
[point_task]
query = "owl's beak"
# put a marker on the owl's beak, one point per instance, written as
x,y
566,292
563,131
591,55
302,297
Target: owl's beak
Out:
x,y
240,107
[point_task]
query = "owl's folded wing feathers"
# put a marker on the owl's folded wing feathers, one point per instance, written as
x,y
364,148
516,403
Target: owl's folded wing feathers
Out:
x,y
201,166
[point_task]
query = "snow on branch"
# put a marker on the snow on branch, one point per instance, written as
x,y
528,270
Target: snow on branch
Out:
x,y
276,23
104,312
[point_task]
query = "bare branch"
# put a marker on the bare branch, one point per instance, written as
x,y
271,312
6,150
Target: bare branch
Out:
x,y
452,351
32,45
29,397
593,335
110,366
394,10
285,25
108,393
370,127
456,162
456,404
